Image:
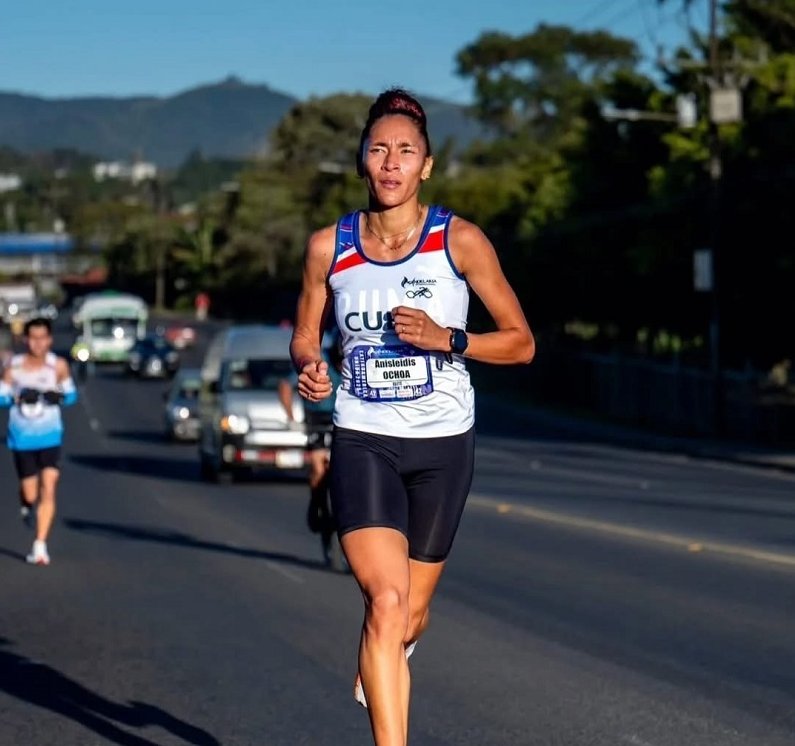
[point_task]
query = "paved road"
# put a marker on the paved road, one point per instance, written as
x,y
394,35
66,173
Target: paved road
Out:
x,y
596,596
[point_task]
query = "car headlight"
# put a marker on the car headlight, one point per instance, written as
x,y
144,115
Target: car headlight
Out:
x,y
180,413
237,424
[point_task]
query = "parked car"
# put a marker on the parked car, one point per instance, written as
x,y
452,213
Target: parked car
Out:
x,y
152,357
243,422
181,405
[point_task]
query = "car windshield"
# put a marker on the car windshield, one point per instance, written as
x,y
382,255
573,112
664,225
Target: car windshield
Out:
x,y
113,328
244,375
154,343
189,388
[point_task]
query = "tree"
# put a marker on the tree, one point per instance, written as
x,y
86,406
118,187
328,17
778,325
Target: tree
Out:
x,y
539,82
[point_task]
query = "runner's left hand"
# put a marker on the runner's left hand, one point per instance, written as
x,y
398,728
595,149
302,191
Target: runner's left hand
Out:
x,y
415,327
52,397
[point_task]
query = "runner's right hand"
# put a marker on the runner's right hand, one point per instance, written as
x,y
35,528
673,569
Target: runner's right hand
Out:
x,y
314,383
28,396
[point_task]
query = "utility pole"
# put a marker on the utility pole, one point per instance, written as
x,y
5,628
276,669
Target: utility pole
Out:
x,y
715,176
724,106
161,247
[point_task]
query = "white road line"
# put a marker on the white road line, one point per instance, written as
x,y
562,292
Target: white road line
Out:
x,y
289,574
576,473
636,741
689,544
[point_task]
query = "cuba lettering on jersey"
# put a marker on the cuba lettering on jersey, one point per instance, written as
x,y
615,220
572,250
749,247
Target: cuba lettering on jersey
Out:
x,y
389,386
32,426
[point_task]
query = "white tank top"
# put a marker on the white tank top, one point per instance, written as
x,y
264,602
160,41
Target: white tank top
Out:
x,y
389,387
36,425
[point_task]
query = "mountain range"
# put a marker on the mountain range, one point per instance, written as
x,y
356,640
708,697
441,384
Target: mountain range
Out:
x,y
228,119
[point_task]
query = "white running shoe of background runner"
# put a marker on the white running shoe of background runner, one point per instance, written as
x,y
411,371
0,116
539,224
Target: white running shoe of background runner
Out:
x,y
38,555
358,690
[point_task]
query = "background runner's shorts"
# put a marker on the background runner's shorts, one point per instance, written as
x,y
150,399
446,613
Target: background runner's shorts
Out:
x,y
30,463
416,485
319,427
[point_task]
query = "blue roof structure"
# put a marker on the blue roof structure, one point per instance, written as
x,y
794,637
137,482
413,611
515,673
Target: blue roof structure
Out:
x,y
35,243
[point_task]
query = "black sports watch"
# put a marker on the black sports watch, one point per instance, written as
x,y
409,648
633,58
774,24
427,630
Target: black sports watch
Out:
x,y
459,341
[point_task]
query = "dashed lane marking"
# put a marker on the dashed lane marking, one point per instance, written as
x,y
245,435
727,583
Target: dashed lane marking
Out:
x,y
635,741
289,574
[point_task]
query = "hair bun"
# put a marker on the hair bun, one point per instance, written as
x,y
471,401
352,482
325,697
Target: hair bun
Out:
x,y
400,101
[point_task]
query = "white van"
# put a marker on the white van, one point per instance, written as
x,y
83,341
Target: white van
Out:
x,y
243,422
110,324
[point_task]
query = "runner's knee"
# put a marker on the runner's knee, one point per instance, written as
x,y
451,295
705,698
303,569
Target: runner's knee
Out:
x,y
387,611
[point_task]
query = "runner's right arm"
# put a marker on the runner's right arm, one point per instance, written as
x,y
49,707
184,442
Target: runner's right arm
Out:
x,y
314,304
6,390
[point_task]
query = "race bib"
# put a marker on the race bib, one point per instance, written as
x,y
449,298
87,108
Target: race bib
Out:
x,y
386,374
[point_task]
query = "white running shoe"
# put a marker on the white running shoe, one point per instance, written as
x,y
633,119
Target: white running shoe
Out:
x,y
358,689
39,554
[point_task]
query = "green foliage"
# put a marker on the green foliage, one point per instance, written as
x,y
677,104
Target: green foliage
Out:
x,y
321,131
200,175
540,81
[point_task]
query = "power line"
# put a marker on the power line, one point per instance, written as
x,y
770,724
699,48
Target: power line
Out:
x,y
595,11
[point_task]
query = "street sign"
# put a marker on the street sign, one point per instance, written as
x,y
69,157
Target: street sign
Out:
x,y
702,270
725,105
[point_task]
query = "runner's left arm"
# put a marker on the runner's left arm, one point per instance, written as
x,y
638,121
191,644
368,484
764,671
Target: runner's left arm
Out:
x,y
66,385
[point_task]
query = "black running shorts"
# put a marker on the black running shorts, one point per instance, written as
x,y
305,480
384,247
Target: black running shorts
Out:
x,y
319,426
416,485
30,463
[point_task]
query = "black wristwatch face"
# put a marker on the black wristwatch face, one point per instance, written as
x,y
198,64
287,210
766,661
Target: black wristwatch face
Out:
x,y
459,341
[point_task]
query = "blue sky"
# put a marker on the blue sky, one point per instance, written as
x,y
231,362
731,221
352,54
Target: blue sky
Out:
x,y
301,47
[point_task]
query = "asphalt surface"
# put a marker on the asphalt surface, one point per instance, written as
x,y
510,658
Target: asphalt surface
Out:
x,y
597,595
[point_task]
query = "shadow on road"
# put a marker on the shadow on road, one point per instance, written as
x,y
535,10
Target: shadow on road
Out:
x,y
143,436
174,468
177,538
179,469
14,555
43,686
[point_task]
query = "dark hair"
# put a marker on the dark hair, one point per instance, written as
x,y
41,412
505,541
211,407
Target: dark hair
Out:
x,y
38,321
393,101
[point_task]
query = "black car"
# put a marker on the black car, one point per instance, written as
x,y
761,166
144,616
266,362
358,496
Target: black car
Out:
x,y
181,411
153,357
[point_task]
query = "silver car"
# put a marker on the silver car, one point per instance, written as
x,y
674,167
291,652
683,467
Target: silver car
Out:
x,y
244,422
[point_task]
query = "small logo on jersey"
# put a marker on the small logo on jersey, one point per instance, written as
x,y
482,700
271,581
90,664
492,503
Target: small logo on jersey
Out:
x,y
417,288
414,282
